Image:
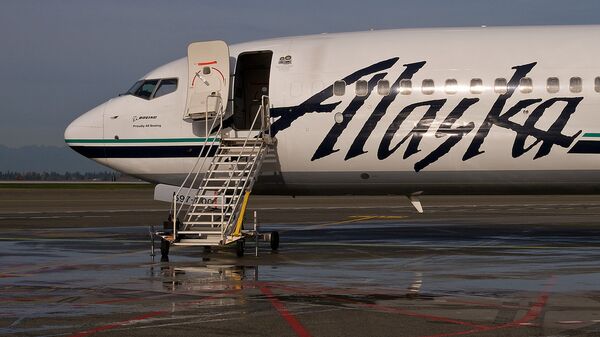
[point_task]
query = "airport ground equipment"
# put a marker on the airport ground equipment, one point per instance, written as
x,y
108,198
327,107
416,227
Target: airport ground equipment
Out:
x,y
211,212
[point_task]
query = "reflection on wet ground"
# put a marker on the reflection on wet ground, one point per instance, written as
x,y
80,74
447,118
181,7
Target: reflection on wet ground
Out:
x,y
354,277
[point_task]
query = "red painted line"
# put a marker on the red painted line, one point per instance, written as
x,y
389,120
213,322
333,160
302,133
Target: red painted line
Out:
x,y
119,300
206,63
288,316
222,76
411,313
385,308
536,309
118,324
485,304
532,314
25,299
194,79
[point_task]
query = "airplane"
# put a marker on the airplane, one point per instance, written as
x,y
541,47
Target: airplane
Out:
x,y
501,110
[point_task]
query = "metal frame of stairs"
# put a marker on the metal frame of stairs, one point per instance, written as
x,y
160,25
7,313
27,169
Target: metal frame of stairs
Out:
x,y
215,217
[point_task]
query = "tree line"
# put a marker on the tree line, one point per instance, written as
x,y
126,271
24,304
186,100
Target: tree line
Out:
x,y
59,176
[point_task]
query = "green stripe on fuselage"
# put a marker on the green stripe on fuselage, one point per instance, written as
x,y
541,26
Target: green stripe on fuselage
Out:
x,y
591,135
128,141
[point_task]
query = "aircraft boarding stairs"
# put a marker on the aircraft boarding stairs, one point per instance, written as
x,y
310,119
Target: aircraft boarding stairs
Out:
x,y
215,215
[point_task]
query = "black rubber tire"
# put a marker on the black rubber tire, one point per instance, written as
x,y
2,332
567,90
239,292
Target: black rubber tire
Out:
x,y
164,248
240,245
274,240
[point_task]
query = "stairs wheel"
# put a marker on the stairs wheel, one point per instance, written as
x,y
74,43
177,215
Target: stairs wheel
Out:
x,y
164,248
274,240
239,247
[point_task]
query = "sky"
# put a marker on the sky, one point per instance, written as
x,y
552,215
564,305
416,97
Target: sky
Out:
x,y
60,58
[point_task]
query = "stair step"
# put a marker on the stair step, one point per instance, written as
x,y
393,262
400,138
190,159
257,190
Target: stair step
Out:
x,y
240,148
216,188
217,204
241,139
230,171
209,213
198,242
226,179
200,232
234,155
193,223
201,209
236,162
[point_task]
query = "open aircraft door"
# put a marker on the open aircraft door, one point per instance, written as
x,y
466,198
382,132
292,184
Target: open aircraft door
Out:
x,y
208,81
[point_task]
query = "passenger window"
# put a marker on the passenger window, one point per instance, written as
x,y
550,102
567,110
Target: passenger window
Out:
x,y
362,88
146,89
383,87
405,87
597,84
165,87
451,86
500,86
339,88
476,86
553,85
575,85
526,85
428,87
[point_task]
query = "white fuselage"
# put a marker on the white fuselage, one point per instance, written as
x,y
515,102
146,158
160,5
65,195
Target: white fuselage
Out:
x,y
447,124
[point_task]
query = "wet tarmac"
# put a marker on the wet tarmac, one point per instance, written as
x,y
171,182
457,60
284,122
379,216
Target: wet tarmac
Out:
x,y
469,266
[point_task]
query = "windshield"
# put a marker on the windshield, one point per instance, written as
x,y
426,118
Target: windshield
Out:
x,y
134,88
149,89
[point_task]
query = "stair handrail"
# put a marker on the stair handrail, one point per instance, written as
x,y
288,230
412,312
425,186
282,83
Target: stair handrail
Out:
x,y
218,117
228,182
265,125
239,186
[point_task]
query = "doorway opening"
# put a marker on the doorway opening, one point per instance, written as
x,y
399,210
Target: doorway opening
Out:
x,y
251,83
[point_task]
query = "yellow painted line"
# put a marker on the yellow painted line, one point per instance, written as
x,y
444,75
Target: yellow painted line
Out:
x,y
357,218
383,217
340,222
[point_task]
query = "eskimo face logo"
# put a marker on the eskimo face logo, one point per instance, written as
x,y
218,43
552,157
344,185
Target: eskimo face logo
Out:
x,y
498,116
137,118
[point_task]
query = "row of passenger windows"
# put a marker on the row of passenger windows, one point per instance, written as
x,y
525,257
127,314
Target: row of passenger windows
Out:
x,y
500,86
149,89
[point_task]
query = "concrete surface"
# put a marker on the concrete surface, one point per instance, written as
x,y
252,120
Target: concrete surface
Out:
x,y
76,263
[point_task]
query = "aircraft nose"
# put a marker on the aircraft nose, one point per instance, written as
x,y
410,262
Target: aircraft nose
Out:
x,y
87,127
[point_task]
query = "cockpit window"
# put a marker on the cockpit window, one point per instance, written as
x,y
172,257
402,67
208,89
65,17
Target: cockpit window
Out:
x,y
134,88
149,89
165,87
146,89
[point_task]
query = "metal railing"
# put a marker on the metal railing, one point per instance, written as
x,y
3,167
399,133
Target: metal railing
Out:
x,y
202,156
243,181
